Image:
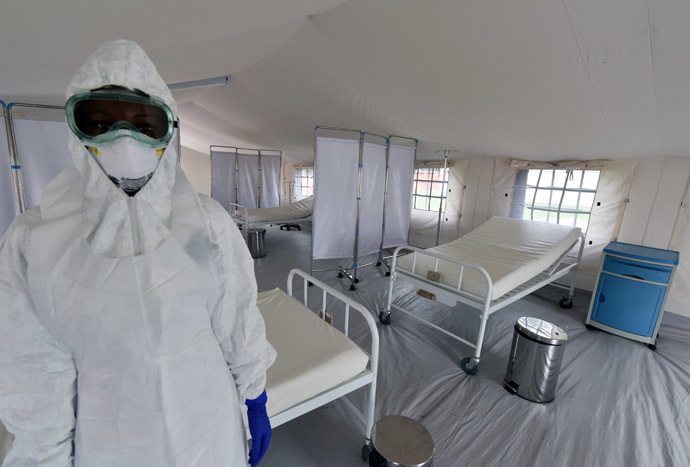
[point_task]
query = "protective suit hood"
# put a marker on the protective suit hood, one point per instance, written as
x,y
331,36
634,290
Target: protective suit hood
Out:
x,y
117,220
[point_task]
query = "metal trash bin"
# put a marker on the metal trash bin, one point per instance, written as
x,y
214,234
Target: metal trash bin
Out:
x,y
256,242
535,359
400,441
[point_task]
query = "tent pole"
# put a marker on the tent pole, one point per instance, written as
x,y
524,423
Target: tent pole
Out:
x,y
14,159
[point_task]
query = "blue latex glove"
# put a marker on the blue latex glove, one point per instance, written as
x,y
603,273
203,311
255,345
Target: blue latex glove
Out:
x,y
259,427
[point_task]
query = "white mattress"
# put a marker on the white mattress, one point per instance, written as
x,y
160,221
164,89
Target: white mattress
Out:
x,y
298,210
313,356
511,250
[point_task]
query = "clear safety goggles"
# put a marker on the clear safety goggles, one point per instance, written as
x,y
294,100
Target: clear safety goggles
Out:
x,y
97,117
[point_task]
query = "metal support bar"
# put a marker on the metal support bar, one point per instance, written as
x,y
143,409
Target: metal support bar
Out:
x,y
440,207
355,254
258,189
385,193
14,160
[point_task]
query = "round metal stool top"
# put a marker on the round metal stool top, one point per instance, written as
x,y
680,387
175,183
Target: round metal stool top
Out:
x,y
403,441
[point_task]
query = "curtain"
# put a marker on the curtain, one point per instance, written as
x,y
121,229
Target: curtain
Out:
x,y
223,177
247,180
371,207
336,178
399,199
270,181
43,154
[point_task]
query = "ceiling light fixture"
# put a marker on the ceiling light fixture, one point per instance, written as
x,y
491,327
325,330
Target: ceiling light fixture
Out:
x,y
200,83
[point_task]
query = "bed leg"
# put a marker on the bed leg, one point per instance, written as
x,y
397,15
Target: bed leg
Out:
x,y
470,365
385,316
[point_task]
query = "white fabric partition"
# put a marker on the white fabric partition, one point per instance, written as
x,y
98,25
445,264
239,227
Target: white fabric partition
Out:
x,y
8,201
371,212
247,179
223,177
270,181
43,154
399,199
336,179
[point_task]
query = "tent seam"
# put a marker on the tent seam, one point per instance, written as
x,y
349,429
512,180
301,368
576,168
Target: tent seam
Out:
x,y
589,76
656,100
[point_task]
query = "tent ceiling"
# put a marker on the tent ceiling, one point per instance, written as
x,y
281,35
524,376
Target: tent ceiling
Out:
x,y
530,79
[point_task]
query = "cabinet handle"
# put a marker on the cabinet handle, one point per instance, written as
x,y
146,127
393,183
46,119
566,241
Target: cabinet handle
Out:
x,y
633,276
602,298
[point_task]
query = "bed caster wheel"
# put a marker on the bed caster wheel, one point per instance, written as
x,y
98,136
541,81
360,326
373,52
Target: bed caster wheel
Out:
x,y
365,453
340,275
356,281
566,302
352,287
378,263
388,273
464,364
589,326
652,346
385,317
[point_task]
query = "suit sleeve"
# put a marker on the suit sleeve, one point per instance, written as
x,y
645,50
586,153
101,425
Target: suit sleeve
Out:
x,y
37,374
236,320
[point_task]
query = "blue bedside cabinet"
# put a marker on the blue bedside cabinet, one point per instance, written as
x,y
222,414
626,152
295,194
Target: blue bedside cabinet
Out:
x,y
632,287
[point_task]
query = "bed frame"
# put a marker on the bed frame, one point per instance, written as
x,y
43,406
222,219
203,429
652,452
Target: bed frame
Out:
x,y
366,378
450,296
243,219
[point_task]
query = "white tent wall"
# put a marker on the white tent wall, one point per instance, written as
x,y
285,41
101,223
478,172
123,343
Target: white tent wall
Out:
x,y
477,200
502,188
680,241
197,166
423,224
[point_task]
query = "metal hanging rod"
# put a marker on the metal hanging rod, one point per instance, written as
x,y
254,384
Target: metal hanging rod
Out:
x,y
36,106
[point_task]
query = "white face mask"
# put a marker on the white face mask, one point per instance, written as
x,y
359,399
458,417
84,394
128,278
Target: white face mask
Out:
x,y
128,163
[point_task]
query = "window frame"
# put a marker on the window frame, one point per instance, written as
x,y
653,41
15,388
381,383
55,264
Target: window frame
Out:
x,y
445,172
558,209
298,176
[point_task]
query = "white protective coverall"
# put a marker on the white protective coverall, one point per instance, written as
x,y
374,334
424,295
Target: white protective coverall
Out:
x,y
119,316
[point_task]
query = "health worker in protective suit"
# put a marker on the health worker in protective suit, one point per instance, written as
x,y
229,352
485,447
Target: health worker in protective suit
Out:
x,y
129,331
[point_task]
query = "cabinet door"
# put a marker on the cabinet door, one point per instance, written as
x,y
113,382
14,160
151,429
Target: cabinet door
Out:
x,y
627,305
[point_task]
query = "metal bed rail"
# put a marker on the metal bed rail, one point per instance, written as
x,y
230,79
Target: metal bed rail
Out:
x,y
350,304
450,295
242,218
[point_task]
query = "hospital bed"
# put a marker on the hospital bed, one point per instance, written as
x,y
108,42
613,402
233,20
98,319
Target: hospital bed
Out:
x,y
290,214
316,363
496,264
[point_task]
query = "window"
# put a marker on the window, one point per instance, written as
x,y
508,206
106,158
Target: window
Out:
x,y
304,181
555,196
430,188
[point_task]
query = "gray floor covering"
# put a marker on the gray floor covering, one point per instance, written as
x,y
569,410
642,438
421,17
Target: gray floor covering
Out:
x,y
617,402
